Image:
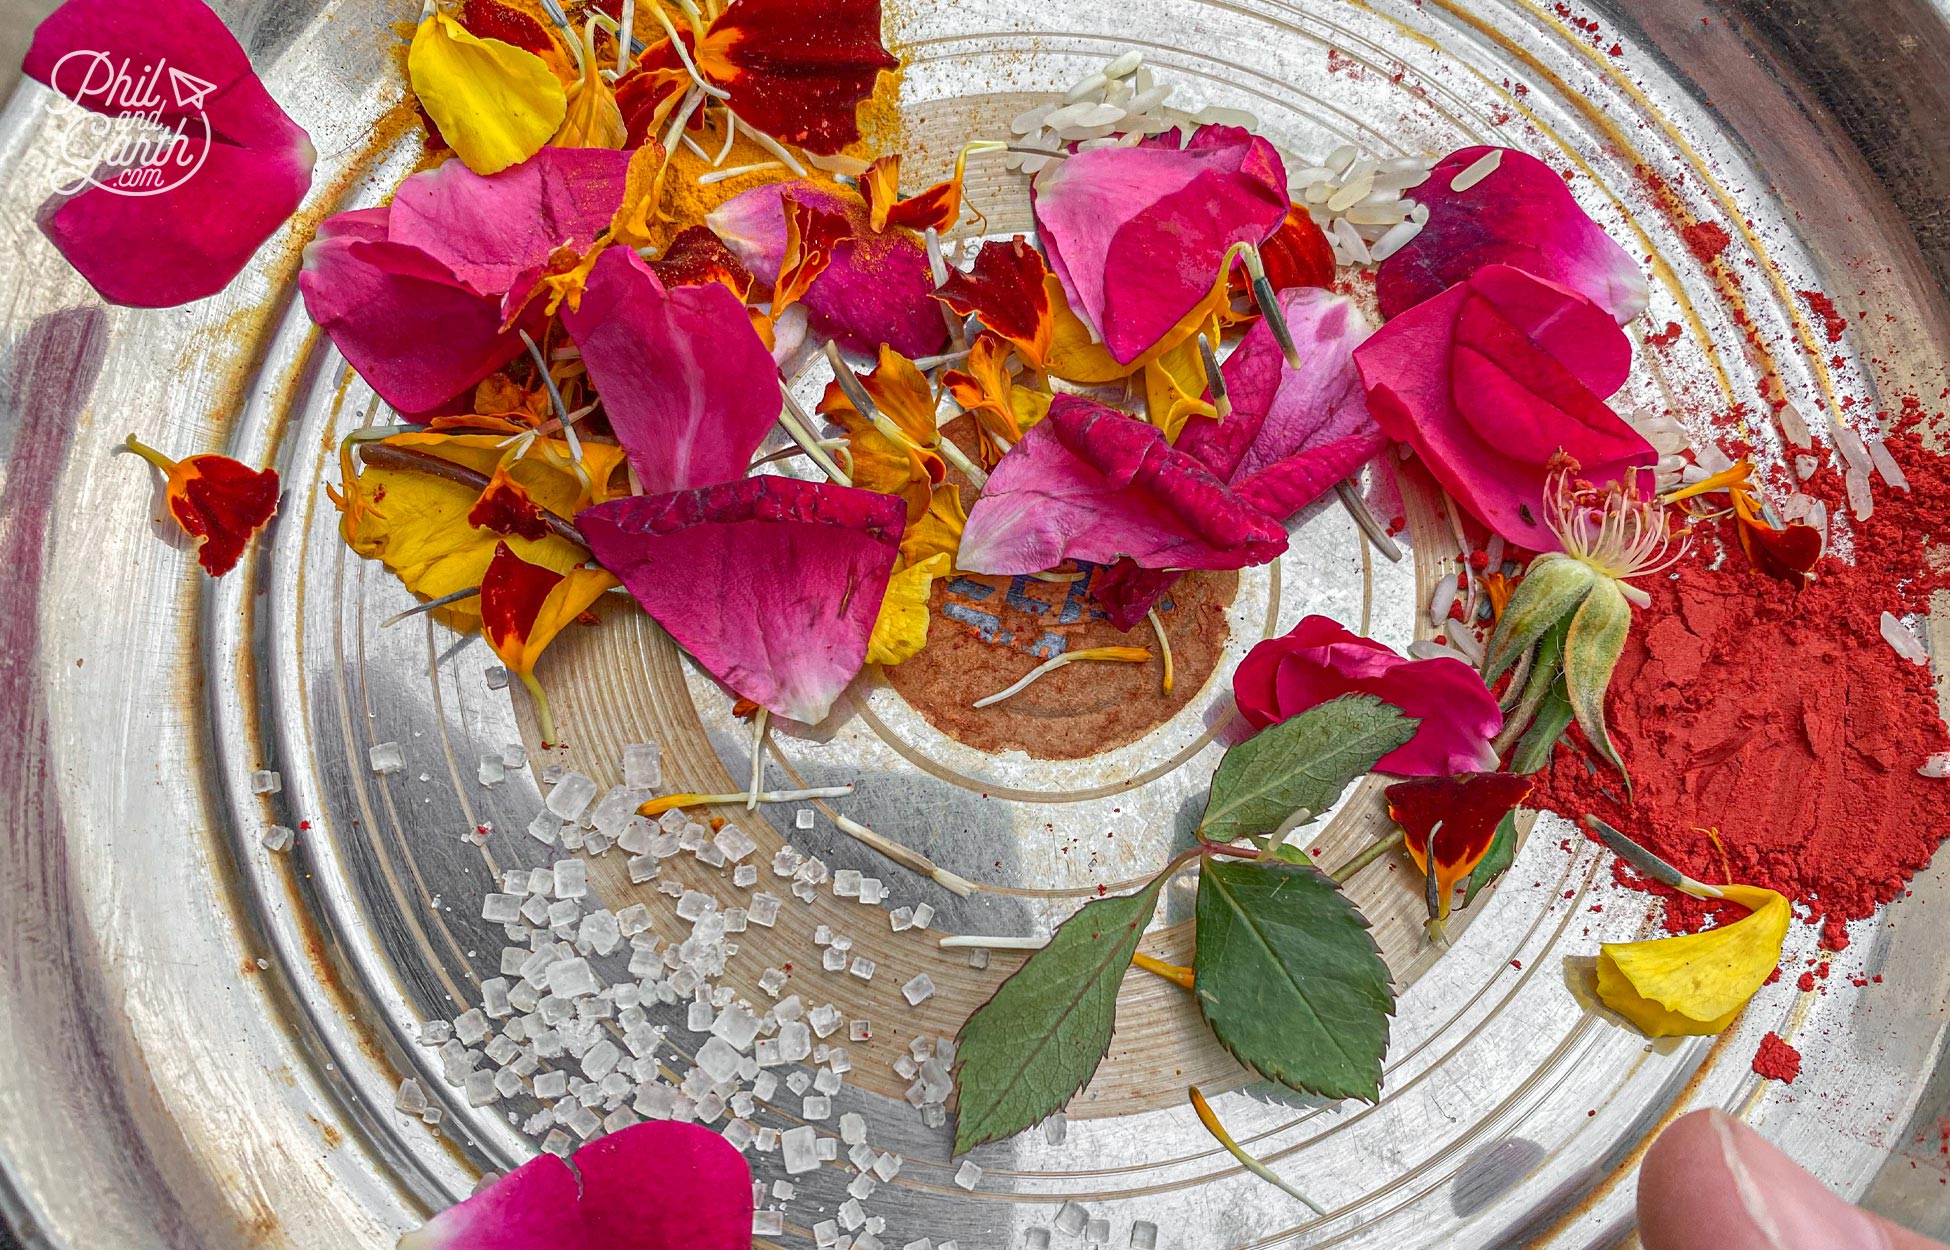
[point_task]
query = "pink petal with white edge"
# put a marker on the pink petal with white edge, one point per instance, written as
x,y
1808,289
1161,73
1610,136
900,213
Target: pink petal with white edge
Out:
x,y
771,583
688,385
489,230
1090,483
1485,406
1522,215
534,1207
877,290
169,247
663,1185
1320,660
414,333
1135,235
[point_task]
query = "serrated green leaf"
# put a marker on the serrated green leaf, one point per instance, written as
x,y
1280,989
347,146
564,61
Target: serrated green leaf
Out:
x,y
1290,980
1549,592
1546,730
1591,650
1038,1040
1304,762
1503,851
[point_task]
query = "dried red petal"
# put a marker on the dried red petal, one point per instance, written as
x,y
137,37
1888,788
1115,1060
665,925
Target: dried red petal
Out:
x,y
221,503
1461,812
697,256
657,76
798,69
1298,254
1005,291
1789,554
505,508
512,594
936,208
811,234
491,19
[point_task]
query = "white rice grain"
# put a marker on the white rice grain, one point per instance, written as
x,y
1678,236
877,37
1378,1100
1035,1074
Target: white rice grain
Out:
x,y
1886,466
1849,443
1397,237
1443,599
1351,239
1478,170
1860,502
1898,635
1125,64
1084,89
1937,765
1031,119
1793,426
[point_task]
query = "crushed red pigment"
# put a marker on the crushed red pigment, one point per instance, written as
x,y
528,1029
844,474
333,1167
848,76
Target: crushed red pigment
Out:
x,y
1776,1060
1706,240
1784,720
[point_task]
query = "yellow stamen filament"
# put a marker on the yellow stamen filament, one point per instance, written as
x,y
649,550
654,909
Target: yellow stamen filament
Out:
x,y
1210,1120
658,806
1119,655
1177,974
1164,644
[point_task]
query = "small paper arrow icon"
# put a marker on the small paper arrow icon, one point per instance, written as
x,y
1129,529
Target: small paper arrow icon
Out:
x,y
190,90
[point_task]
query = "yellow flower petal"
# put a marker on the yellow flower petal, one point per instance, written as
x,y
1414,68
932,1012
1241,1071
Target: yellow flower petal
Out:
x,y
901,629
1698,982
938,531
1075,357
575,594
591,118
495,104
1174,386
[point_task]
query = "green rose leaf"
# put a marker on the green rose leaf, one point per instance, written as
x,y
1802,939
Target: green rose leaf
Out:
x,y
1300,764
1025,1052
1289,979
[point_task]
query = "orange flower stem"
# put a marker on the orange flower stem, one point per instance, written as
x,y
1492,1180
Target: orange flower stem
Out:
x,y
1379,848
150,454
1210,1120
542,713
1175,973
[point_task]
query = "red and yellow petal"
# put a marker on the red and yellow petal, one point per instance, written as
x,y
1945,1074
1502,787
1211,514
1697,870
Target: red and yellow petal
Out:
x,y
697,256
218,501
936,208
1298,254
506,508
1006,290
1458,816
798,69
811,234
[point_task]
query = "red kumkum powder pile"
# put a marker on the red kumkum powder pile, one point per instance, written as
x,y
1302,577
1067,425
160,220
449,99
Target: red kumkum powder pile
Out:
x,y
1784,720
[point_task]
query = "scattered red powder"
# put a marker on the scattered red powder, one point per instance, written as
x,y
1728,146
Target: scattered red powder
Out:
x,y
1833,322
1666,337
1806,984
1776,1060
1781,719
1706,239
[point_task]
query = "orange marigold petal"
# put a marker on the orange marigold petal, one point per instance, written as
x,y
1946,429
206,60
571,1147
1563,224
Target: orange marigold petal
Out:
x,y
936,208
798,69
1298,254
218,501
811,234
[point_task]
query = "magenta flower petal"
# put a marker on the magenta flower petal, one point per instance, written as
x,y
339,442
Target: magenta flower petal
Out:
x,y
1135,235
490,230
688,385
1486,405
238,173
534,1207
878,288
771,583
1090,483
414,332
1292,435
663,1185
1521,215
1319,660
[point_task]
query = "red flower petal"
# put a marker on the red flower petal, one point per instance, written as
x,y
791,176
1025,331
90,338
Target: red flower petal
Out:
x,y
936,208
533,1207
221,503
239,172
1319,660
688,385
1522,215
512,593
658,76
1091,483
1790,553
697,256
771,583
663,1185
1460,813
506,508
798,69
1298,254
1004,291
491,19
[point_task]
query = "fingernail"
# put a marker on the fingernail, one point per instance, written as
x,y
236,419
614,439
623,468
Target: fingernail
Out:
x,y
1790,1209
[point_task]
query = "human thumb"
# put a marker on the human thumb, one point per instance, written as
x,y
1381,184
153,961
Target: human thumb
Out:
x,y
1711,1183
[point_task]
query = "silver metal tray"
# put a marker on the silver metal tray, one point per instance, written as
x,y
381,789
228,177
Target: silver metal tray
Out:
x,y
202,1039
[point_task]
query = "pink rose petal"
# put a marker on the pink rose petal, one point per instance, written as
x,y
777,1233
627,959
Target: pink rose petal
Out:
x,y
1486,407
689,387
1090,483
1522,215
534,1207
489,230
878,288
247,164
771,583
663,1185
1292,435
1319,660
1135,235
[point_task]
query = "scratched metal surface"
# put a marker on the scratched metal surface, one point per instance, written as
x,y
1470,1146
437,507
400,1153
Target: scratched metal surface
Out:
x,y
161,1089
